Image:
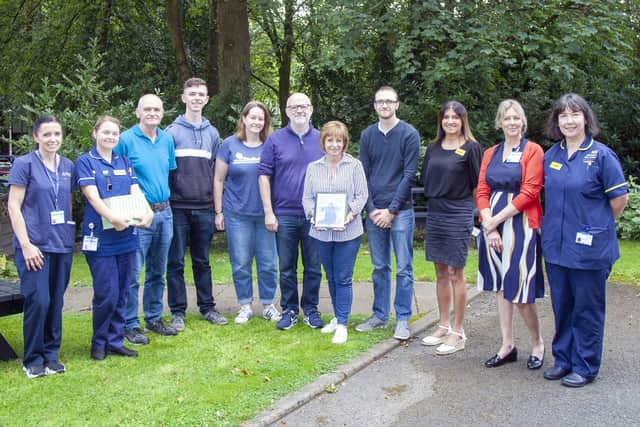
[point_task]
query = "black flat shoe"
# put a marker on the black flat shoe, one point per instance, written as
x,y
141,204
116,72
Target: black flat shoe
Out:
x,y
97,354
575,380
535,362
496,360
123,351
555,373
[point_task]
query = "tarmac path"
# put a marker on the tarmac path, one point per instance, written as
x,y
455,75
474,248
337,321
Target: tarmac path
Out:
x,y
411,386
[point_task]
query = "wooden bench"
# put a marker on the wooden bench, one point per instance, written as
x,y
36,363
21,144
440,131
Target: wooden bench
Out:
x,y
10,303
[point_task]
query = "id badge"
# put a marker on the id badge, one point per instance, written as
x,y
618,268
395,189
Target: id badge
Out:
x,y
90,243
57,217
514,157
584,238
475,232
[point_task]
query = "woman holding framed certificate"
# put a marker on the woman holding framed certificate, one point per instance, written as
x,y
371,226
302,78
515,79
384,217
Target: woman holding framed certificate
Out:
x,y
110,251
335,192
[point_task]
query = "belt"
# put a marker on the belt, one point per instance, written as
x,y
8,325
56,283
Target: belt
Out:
x,y
157,207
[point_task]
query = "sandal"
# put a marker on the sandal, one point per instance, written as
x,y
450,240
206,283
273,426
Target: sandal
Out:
x,y
446,349
432,340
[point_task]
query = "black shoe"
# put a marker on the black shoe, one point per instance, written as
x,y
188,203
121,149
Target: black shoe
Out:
x,y
575,380
123,351
496,360
535,362
160,328
136,337
34,371
98,354
555,373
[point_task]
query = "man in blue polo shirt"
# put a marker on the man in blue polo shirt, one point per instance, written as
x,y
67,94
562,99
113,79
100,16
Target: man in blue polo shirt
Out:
x,y
152,156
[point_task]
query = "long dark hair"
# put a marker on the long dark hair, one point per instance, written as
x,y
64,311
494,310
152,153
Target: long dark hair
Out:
x,y
459,109
266,130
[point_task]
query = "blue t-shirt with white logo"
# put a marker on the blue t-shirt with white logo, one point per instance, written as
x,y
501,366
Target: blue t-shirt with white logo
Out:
x,y
241,192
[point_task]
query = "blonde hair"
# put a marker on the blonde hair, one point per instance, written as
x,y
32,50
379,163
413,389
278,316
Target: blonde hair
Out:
x,y
502,110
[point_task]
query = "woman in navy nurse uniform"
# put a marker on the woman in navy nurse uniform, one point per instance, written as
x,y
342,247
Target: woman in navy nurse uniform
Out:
x,y
40,212
110,253
585,190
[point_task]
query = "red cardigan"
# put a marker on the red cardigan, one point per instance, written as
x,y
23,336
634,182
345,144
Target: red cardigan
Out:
x,y
528,199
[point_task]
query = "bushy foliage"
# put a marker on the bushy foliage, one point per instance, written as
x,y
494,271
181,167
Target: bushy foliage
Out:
x,y
628,224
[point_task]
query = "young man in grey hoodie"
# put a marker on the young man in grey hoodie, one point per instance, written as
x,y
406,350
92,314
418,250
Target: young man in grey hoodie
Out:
x,y
196,142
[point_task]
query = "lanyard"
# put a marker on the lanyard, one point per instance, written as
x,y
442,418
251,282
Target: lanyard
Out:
x,y
54,181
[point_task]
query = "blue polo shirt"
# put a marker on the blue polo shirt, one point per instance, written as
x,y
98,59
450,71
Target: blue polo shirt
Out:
x,y
111,179
577,193
40,200
151,161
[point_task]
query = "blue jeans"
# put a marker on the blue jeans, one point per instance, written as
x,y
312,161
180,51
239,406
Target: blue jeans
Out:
x,y
338,260
400,235
152,252
293,232
193,227
43,293
247,237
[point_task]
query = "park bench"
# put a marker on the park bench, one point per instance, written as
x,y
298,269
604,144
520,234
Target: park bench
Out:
x,y
10,303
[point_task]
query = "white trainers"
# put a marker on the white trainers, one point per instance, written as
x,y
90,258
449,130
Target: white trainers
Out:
x,y
330,327
271,313
244,314
340,336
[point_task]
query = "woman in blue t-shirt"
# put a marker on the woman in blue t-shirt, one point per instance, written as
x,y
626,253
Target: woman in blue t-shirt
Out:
x,y
110,245
40,212
239,212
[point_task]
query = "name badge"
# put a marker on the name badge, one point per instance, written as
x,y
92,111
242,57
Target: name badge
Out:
x,y
90,243
585,239
555,165
120,172
475,232
460,151
57,217
514,157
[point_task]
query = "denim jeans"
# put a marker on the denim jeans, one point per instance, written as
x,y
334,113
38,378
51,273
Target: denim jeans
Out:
x,y
152,252
43,293
247,238
338,260
400,235
293,232
193,227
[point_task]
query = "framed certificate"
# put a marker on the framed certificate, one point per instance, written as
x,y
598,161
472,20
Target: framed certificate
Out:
x,y
331,210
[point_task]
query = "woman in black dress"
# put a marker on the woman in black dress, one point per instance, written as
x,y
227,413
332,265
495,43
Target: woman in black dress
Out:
x,y
450,176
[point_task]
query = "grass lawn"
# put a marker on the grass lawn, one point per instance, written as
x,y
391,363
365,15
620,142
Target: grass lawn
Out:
x,y
208,375
625,271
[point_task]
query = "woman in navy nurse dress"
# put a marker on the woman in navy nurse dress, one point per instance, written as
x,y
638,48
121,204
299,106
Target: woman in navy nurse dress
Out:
x,y
585,190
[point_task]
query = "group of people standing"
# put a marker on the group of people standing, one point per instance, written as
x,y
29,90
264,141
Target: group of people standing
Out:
x,y
263,188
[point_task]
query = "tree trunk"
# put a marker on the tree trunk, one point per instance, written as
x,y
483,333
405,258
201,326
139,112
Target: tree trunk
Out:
x,y
212,50
284,69
233,49
174,23
105,31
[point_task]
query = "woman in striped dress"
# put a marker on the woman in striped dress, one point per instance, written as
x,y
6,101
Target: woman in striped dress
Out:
x,y
337,240
510,262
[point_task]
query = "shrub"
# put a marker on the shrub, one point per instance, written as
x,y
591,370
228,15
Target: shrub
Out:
x,y
628,224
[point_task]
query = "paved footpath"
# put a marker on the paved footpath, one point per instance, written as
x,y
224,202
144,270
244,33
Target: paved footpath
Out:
x,y
411,386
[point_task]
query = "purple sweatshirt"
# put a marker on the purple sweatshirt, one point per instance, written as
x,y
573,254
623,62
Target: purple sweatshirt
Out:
x,y
284,159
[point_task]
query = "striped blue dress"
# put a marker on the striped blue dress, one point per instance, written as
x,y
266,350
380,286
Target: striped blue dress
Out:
x,y
517,270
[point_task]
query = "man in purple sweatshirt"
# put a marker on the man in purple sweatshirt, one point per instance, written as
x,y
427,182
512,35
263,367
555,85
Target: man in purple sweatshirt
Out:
x,y
283,166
